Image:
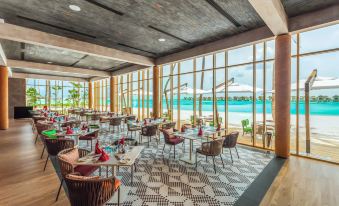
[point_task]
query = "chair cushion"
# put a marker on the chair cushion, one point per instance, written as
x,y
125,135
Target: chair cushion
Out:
x,y
79,177
175,140
70,157
85,170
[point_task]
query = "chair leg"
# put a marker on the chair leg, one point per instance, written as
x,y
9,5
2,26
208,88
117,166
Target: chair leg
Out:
x,y
196,160
57,197
46,162
163,149
231,154
174,151
222,161
119,196
36,138
237,152
91,145
214,164
42,153
206,158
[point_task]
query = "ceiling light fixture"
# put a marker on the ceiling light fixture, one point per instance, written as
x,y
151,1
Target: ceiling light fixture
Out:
x,y
161,39
74,7
49,62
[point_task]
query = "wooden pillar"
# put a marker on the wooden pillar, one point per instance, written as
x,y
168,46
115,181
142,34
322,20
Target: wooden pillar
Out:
x,y
114,94
156,103
90,95
4,98
282,81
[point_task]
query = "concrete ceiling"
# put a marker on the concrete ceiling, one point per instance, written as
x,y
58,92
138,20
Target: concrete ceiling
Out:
x,y
298,7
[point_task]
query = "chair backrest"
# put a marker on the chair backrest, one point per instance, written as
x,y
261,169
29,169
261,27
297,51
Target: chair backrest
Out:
x,y
42,127
116,121
245,123
54,146
65,167
90,192
168,125
37,118
129,118
215,147
150,130
231,140
94,134
167,134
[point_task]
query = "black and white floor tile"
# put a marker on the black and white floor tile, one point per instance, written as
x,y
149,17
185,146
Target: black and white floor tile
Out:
x,y
163,180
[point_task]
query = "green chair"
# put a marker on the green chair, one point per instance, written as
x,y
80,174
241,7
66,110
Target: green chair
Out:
x,y
246,128
211,124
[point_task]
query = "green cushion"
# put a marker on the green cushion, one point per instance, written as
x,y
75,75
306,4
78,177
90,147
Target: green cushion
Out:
x,y
50,133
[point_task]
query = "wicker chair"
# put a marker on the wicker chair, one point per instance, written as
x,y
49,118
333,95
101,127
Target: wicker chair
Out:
x,y
149,131
91,192
171,140
90,137
54,146
168,125
129,118
213,149
115,122
131,129
231,142
67,167
40,128
35,120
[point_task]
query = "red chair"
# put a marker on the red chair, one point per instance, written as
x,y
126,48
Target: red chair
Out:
x,y
171,140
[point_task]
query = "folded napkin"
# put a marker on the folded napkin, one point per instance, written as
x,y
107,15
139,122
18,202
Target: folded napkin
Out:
x,y
69,130
122,141
84,127
145,122
104,157
200,132
45,108
182,129
164,120
97,148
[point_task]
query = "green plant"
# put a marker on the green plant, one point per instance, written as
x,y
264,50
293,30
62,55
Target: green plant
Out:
x,y
32,96
74,95
56,88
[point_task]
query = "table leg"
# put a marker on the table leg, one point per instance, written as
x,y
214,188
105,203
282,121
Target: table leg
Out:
x,y
132,174
189,160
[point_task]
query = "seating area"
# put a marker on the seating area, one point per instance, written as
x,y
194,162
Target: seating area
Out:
x,y
169,102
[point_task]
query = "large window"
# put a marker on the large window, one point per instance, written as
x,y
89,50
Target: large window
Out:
x,y
57,95
315,112
101,95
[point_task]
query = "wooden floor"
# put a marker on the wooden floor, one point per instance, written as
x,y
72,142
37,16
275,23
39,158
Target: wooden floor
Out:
x,y
23,182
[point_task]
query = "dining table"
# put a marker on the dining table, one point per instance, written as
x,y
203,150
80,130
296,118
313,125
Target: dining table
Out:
x,y
151,122
116,159
76,134
192,134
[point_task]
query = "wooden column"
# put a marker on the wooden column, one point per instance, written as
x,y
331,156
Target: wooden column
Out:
x,y
111,93
4,98
156,103
90,95
114,94
282,79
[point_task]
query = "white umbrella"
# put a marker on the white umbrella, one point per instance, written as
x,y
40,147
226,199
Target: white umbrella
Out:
x,y
319,83
238,88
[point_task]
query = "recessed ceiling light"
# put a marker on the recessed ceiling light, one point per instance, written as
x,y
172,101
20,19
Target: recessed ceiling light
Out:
x,y
49,62
74,7
161,39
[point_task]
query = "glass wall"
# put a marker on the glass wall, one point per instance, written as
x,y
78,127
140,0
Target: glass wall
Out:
x,y
57,95
232,88
135,91
315,111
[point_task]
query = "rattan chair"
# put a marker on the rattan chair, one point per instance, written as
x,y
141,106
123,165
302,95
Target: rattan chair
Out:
x,y
231,142
171,140
90,137
212,149
91,192
131,129
35,120
149,131
54,146
115,122
168,125
40,128
67,168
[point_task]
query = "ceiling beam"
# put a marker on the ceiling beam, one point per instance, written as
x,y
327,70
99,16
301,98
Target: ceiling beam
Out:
x,y
93,79
273,14
55,68
128,70
31,36
3,59
238,40
316,19
47,77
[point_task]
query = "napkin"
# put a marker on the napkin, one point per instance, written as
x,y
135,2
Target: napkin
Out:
x,y
200,131
164,120
104,157
69,130
84,127
182,129
45,108
97,148
145,122
122,141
